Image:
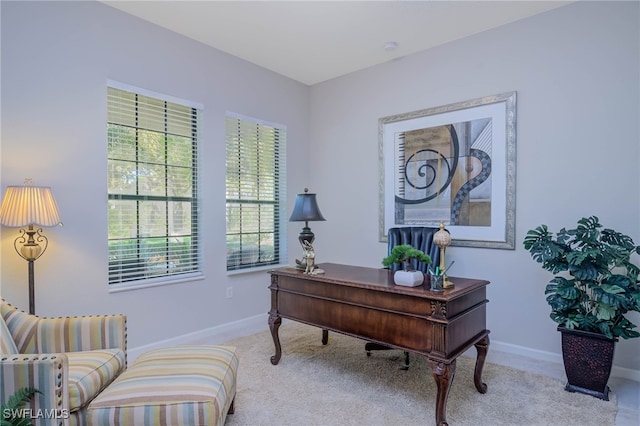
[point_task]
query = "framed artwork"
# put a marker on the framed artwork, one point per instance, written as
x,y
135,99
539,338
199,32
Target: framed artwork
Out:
x,y
454,164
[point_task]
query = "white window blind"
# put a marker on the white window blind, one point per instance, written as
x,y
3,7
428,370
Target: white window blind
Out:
x,y
256,190
152,187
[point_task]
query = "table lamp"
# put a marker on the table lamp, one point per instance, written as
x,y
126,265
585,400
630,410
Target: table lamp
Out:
x,y
306,210
29,206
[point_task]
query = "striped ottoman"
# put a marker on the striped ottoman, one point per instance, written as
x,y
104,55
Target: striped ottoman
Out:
x,y
175,386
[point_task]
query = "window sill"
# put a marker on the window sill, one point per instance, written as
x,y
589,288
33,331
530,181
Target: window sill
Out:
x,y
251,270
156,282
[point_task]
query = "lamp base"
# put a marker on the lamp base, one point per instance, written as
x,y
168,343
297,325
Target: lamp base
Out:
x,y
306,236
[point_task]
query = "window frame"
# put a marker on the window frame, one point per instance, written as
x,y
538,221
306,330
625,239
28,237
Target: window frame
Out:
x,y
279,202
195,243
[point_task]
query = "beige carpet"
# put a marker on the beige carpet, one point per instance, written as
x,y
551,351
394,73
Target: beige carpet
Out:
x,y
338,384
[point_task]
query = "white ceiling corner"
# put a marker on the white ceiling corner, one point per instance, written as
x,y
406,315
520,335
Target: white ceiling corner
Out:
x,y
314,41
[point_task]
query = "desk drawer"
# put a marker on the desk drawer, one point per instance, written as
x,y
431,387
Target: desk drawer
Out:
x,y
395,329
364,297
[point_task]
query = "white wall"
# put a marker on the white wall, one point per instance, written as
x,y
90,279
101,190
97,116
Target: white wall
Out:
x,y
576,72
56,59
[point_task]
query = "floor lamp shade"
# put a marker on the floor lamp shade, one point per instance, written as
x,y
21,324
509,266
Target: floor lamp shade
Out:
x,y
29,206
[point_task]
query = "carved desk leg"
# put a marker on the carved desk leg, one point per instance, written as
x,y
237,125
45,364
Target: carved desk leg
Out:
x,y
481,347
274,325
443,375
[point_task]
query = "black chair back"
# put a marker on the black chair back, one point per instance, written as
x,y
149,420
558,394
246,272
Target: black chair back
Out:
x,y
420,237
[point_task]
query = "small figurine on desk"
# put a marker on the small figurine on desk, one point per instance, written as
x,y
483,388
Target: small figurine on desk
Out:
x,y
308,260
308,257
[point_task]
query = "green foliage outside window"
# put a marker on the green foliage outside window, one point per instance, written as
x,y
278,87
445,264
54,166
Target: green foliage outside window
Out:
x,y
152,187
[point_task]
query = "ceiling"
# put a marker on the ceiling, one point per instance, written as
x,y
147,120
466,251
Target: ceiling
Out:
x,y
314,41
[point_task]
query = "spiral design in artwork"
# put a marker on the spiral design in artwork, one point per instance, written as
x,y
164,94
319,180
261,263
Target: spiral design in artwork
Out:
x,y
463,192
427,169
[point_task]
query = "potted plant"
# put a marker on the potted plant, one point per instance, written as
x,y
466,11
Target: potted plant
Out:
x,y
596,285
403,255
11,413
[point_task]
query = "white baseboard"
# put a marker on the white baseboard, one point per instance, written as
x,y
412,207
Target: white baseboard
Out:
x,y
556,358
510,348
213,335
626,373
224,332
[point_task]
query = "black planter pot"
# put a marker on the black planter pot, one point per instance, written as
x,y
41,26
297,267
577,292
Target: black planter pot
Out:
x,y
588,358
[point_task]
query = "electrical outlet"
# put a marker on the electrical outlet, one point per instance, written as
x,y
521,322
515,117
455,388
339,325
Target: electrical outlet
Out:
x,y
229,292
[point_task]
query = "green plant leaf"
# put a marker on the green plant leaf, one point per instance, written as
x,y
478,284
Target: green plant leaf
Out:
x,y
568,322
612,289
577,257
561,304
403,253
539,242
570,293
584,272
629,334
23,421
562,295
20,398
16,402
618,300
586,321
620,281
605,311
605,329
632,271
636,299
552,287
624,328
588,229
604,283
535,235
614,238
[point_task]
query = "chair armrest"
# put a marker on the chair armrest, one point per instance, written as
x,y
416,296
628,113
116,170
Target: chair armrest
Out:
x,y
73,334
48,373
33,334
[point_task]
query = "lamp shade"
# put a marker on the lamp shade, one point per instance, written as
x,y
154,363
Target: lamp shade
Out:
x,y
29,205
306,208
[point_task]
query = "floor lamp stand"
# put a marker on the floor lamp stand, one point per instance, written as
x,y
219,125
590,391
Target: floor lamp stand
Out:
x,y
30,251
32,289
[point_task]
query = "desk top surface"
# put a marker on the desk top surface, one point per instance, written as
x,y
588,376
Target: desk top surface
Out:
x,y
380,279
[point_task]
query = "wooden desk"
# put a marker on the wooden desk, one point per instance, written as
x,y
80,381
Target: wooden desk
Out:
x,y
365,303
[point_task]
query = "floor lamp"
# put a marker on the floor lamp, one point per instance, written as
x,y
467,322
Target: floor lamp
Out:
x,y
32,207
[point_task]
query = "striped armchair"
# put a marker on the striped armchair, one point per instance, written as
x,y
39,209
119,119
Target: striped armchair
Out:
x,y
70,360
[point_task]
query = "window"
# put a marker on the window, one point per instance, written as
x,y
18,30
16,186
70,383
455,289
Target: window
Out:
x,y
152,187
256,191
